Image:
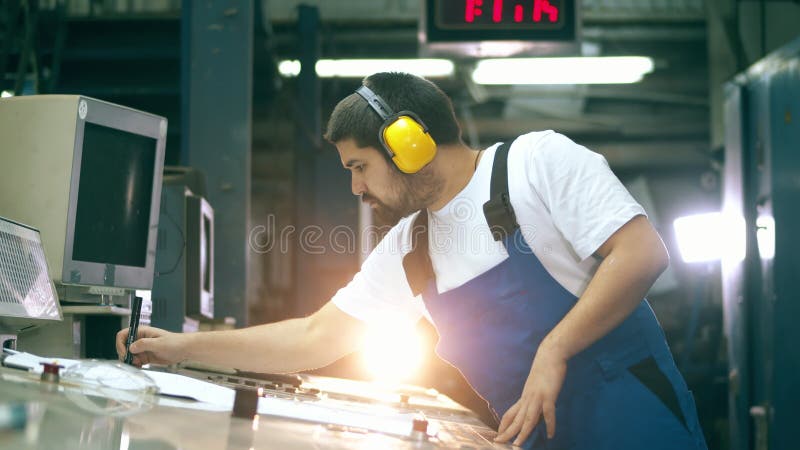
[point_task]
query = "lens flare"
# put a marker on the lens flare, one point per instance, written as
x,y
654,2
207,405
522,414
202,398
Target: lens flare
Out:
x,y
392,353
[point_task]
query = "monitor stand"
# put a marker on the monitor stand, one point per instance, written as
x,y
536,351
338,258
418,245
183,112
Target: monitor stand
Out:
x,y
93,295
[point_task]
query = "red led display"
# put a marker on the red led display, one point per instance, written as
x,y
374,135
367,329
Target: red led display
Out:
x,y
498,12
454,20
538,10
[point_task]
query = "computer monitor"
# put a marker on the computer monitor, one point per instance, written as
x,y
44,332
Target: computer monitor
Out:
x,y
200,257
87,174
27,295
183,288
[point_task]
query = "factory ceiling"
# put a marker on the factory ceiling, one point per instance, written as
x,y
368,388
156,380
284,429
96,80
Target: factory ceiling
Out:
x,y
662,121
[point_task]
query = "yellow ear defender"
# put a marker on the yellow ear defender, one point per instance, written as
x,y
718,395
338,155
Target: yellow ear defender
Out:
x,y
403,135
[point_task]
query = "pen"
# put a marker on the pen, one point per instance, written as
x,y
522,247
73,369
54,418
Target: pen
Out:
x,y
133,328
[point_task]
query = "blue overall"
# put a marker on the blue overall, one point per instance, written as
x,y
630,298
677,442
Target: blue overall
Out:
x,y
623,392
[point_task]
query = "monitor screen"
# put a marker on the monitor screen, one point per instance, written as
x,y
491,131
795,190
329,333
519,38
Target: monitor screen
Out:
x,y
26,292
116,184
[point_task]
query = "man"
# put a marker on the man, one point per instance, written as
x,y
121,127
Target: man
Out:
x,y
530,258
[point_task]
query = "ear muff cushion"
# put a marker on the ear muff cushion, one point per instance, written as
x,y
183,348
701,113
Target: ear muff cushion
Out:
x,y
411,146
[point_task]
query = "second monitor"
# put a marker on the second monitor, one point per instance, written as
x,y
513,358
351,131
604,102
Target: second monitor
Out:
x,y
183,288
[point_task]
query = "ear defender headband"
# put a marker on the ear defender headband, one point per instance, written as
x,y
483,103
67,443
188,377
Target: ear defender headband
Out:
x,y
403,135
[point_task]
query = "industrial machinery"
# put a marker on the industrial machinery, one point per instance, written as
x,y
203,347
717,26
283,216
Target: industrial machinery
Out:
x,y
94,405
761,192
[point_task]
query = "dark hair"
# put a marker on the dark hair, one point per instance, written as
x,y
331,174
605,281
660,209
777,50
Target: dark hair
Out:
x,y
353,118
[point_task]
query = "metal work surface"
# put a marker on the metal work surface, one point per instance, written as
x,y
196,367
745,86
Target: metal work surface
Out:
x,y
68,415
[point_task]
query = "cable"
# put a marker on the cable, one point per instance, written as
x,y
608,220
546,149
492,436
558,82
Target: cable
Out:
x,y
183,246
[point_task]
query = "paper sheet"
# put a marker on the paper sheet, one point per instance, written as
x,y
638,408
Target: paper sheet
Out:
x,y
389,422
219,398
23,360
202,391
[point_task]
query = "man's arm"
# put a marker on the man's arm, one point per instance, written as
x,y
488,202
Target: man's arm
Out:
x,y
633,258
287,346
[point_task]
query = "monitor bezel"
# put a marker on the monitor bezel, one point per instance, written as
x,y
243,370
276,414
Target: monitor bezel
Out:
x,y
199,301
85,273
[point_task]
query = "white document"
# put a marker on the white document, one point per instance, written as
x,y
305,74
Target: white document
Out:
x,y
219,398
389,421
202,391
23,360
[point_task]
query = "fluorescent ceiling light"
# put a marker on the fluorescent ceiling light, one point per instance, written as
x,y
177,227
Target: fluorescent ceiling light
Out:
x,y
358,68
289,68
572,70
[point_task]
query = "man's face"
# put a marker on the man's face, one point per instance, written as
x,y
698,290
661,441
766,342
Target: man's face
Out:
x,y
391,195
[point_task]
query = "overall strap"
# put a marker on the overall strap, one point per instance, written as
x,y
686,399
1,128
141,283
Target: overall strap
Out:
x,y
498,210
417,263
499,215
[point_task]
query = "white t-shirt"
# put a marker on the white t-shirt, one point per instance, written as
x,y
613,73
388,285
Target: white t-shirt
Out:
x,y
567,202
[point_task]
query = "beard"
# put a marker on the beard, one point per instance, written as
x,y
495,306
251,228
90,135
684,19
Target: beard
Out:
x,y
412,193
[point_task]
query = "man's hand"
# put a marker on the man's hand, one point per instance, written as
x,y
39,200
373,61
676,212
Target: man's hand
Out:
x,y
633,257
153,345
538,398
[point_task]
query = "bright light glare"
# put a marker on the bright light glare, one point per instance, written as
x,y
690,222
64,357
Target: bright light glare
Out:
x,y
392,353
289,68
765,236
710,237
568,70
358,68
6,94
